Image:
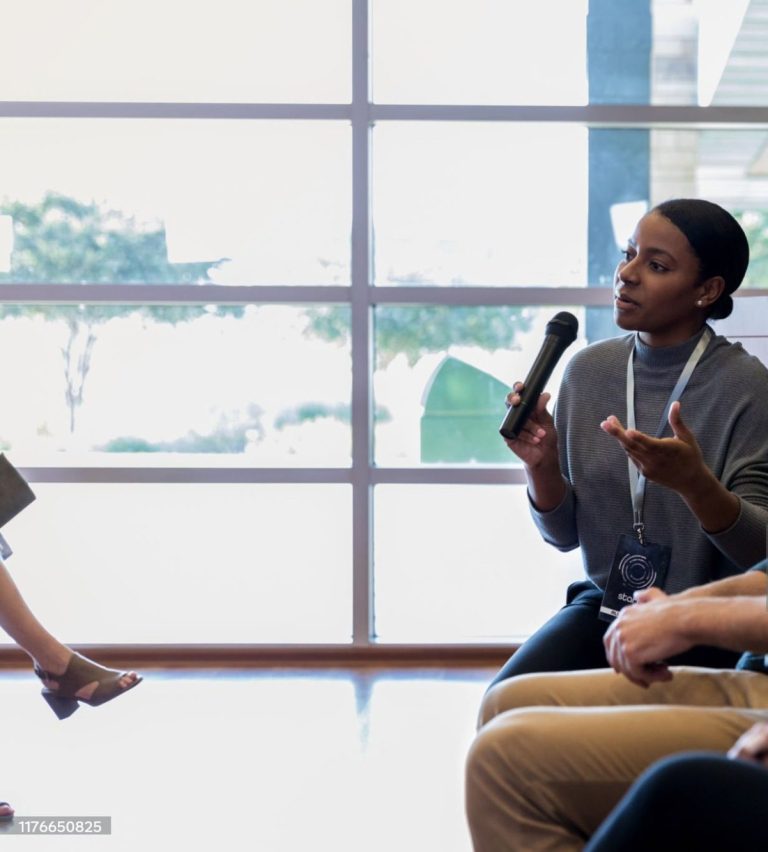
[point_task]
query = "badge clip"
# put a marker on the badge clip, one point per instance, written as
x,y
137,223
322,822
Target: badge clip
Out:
x,y
639,528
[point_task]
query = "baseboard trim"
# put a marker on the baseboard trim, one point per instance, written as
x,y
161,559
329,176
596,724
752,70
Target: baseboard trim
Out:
x,y
281,656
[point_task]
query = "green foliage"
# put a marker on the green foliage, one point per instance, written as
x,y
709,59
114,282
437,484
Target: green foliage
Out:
x,y
129,444
61,240
230,437
65,241
416,330
309,411
192,442
755,224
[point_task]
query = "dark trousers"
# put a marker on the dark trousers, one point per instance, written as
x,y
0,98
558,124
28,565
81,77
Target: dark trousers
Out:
x,y
692,802
573,639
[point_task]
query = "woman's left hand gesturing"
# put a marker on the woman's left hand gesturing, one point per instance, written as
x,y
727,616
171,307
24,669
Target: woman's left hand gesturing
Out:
x,y
674,462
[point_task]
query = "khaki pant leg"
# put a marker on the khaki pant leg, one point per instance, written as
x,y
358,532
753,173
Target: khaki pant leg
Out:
x,y
543,779
605,688
556,751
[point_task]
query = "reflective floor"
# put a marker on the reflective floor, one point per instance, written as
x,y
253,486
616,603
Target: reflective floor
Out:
x,y
286,761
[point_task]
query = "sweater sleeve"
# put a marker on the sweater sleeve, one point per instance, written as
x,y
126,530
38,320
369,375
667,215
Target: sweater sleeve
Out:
x,y
744,541
558,526
746,475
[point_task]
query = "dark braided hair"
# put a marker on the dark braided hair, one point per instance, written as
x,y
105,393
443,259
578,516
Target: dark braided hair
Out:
x,y
717,240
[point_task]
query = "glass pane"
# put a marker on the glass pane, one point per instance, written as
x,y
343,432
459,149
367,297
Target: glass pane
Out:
x,y
479,51
480,203
493,204
748,324
443,373
187,563
463,563
726,166
228,202
553,52
215,385
230,50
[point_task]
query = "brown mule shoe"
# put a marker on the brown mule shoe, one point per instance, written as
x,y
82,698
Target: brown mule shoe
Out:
x,y
80,672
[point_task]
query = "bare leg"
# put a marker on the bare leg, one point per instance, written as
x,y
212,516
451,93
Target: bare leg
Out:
x,y
46,651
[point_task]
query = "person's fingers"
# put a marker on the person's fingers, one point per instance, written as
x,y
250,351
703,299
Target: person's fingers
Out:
x,y
612,425
608,635
526,441
621,662
752,744
638,443
679,428
657,673
632,441
610,651
637,676
513,397
616,655
738,751
522,443
651,594
542,402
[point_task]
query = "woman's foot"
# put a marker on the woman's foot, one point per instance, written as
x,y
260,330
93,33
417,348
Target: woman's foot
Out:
x,y
6,812
52,678
82,680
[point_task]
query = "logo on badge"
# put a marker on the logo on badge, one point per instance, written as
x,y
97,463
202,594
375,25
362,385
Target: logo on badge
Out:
x,y
636,571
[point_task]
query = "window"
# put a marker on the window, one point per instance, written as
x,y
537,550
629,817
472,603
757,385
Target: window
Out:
x,y
267,269
231,51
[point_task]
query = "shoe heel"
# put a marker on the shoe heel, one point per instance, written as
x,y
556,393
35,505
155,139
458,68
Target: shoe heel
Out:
x,y
62,707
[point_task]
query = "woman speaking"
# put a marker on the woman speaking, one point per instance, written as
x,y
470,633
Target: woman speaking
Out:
x,y
656,461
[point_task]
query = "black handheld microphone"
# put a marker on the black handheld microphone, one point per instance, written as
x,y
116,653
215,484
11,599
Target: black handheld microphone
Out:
x,y
560,333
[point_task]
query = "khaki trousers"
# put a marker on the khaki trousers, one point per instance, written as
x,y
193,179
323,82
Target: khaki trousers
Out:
x,y
554,753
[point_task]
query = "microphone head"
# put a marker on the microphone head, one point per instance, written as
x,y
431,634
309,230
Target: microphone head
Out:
x,y
563,325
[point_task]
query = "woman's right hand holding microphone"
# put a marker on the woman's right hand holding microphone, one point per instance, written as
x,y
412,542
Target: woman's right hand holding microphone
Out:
x,y
536,447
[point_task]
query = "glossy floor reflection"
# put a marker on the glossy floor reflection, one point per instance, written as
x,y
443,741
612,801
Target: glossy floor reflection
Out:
x,y
268,761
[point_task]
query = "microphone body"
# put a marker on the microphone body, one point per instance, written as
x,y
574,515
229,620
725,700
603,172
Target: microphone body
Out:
x,y
560,333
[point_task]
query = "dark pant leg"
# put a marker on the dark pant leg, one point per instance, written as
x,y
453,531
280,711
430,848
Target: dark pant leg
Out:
x,y
690,803
572,639
707,656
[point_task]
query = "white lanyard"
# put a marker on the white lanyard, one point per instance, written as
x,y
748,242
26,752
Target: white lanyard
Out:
x,y
636,480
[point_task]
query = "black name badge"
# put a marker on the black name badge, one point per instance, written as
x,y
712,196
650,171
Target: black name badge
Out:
x,y
635,566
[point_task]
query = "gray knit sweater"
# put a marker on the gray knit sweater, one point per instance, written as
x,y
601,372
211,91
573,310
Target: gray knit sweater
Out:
x,y
726,407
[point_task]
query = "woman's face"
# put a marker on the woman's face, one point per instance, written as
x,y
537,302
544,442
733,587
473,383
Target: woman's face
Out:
x,y
657,284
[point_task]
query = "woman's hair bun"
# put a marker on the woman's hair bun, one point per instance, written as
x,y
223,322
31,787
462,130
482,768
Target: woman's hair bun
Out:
x,y
717,240
722,307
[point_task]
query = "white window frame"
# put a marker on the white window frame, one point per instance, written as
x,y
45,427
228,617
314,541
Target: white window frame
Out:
x,y
362,296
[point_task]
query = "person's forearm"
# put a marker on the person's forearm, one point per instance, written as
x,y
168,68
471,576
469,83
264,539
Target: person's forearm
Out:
x,y
546,487
715,507
746,584
735,623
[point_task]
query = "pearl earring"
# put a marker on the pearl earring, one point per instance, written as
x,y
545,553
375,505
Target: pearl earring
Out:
x,y
699,303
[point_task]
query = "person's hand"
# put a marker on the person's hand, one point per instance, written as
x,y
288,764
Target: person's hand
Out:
x,y
752,745
536,445
674,462
653,593
642,636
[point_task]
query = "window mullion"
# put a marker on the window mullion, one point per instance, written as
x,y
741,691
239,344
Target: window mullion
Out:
x,y
362,538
